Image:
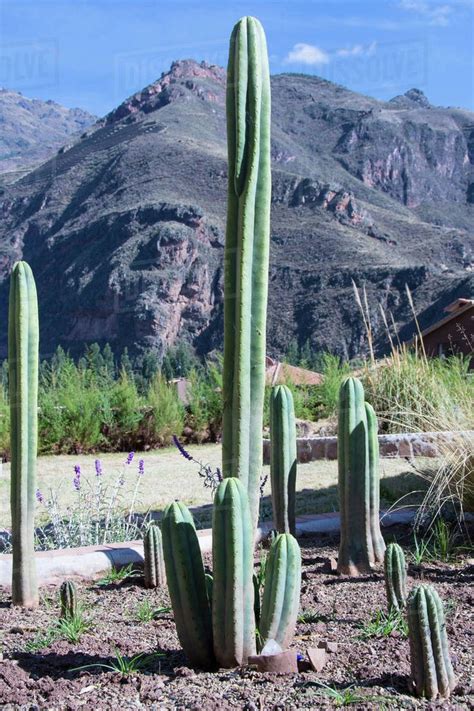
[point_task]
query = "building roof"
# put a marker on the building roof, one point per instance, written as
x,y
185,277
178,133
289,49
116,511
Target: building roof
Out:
x,y
278,373
453,311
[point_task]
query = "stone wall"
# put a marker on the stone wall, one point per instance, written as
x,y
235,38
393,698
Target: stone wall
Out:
x,y
417,444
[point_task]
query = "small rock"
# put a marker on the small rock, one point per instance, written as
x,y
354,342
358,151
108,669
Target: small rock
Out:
x,y
320,627
317,657
184,671
330,565
331,647
17,630
394,633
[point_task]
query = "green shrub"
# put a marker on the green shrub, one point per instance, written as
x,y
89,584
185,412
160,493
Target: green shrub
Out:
x,y
205,402
125,430
165,415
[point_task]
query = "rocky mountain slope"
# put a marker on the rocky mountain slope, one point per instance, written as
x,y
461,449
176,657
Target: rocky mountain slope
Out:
x,y
124,228
31,131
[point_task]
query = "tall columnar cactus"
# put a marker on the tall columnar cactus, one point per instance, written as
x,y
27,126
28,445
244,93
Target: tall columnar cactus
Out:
x,y
395,577
68,599
431,668
378,542
154,565
23,342
361,542
283,458
246,256
233,614
281,596
187,585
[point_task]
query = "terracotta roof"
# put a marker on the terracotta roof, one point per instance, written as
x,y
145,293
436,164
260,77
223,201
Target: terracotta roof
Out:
x,y
280,373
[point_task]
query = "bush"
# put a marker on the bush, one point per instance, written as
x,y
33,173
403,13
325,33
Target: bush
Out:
x,y
125,429
165,416
205,402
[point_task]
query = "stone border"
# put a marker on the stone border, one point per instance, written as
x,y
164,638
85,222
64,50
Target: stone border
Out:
x,y
90,562
417,444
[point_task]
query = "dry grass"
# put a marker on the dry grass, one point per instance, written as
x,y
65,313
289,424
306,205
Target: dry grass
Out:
x,y
168,476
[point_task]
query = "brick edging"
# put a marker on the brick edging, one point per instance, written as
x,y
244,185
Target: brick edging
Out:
x,y
407,444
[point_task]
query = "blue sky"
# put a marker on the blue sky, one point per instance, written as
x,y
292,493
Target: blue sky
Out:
x,y
94,53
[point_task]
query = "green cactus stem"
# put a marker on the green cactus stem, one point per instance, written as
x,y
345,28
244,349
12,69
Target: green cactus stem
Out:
x,y
283,458
68,599
378,542
154,564
246,256
281,595
431,667
395,577
358,483
187,585
233,591
23,344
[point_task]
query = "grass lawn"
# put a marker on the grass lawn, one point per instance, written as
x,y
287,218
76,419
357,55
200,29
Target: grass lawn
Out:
x,y
168,476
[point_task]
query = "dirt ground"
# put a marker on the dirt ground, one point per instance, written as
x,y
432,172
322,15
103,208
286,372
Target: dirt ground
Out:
x,y
376,670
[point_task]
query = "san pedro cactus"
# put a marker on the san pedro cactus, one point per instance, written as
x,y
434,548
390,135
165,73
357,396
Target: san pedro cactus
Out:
x,y
431,667
361,542
23,343
283,458
68,599
187,585
378,542
154,565
281,596
246,256
233,591
395,577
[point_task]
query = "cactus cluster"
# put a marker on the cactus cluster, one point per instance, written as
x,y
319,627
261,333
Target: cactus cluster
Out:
x,y
283,458
361,542
246,256
154,564
395,577
23,344
234,607
431,667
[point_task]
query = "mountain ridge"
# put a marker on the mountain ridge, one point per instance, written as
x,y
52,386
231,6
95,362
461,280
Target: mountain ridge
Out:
x,y
128,221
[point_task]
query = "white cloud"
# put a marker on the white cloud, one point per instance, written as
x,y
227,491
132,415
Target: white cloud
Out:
x,y
357,50
307,54
436,14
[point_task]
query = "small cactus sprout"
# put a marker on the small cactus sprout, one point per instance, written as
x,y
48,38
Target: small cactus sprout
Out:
x,y
281,595
154,564
431,668
68,600
395,577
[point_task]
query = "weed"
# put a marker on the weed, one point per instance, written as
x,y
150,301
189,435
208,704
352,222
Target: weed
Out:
x,y
308,617
117,575
68,628
382,624
126,666
145,612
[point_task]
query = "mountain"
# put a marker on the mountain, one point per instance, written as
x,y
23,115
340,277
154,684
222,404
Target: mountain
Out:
x,y
32,131
124,228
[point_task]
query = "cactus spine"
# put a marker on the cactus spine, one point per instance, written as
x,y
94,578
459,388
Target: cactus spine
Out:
x,y
68,599
374,484
233,591
281,596
283,458
431,668
395,577
246,256
23,342
358,485
187,585
154,565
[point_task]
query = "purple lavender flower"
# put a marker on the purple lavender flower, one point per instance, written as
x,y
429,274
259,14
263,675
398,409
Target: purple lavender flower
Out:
x,y
181,449
39,496
129,459
141,467
77,477
98,467
121,481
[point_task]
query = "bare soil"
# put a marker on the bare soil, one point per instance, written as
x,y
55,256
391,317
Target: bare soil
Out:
x,y
377,669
